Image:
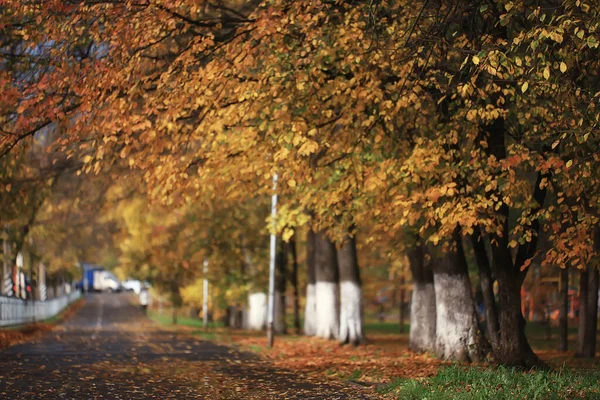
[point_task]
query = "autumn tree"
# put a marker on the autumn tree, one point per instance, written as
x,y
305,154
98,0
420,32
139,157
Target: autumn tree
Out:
x,y
437,118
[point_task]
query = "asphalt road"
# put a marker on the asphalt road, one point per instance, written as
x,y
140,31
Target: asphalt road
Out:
x,y
110,350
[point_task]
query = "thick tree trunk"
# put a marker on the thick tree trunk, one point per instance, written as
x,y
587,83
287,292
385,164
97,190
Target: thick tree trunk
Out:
x,y
513,347
310,310
294,282
280,289
583,309
422,305
457,332
326,273
591,317
351,329
563,319
487,287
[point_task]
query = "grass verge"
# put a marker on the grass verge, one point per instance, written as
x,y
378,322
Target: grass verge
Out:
x,y
167,319
460,382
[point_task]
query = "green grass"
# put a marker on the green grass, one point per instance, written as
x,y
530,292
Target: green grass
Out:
x,y
167,319
357,373
206,335
462,383
386,328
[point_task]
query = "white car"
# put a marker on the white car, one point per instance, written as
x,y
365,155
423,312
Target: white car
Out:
x,y
132,285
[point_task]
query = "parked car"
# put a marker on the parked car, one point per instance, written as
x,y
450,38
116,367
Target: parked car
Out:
x,y
132,285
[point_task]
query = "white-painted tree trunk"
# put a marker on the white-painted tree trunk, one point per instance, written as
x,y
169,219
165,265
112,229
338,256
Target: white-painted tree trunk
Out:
x,y
350,313
422,317
310,311
327,315
257,311
456,322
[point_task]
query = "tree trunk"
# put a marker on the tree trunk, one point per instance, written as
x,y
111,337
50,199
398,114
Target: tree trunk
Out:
x,y
234,317
294,282
513,347
310,311
401,317
487,287
351,329
326,274
588,349
256,318
280,289
457,332
583,310
257,311
5,267
422,305
591,316
279,324
174,316
563,320
176,300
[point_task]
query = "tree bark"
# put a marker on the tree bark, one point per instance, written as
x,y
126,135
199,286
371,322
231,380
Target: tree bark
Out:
x,y
176,300
5,266
583,310
310,311
422,305
487,287
257,300
513,348
591,316
257,311
563,319
280,325
351,326
401,304
326,274
294,282
457,332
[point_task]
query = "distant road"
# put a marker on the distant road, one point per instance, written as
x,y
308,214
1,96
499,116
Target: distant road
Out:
x,y
110,350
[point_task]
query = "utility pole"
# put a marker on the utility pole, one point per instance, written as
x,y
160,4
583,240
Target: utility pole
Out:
x,y
205,295
271,302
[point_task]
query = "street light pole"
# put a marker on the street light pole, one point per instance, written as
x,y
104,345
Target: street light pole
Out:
x,y
271,303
